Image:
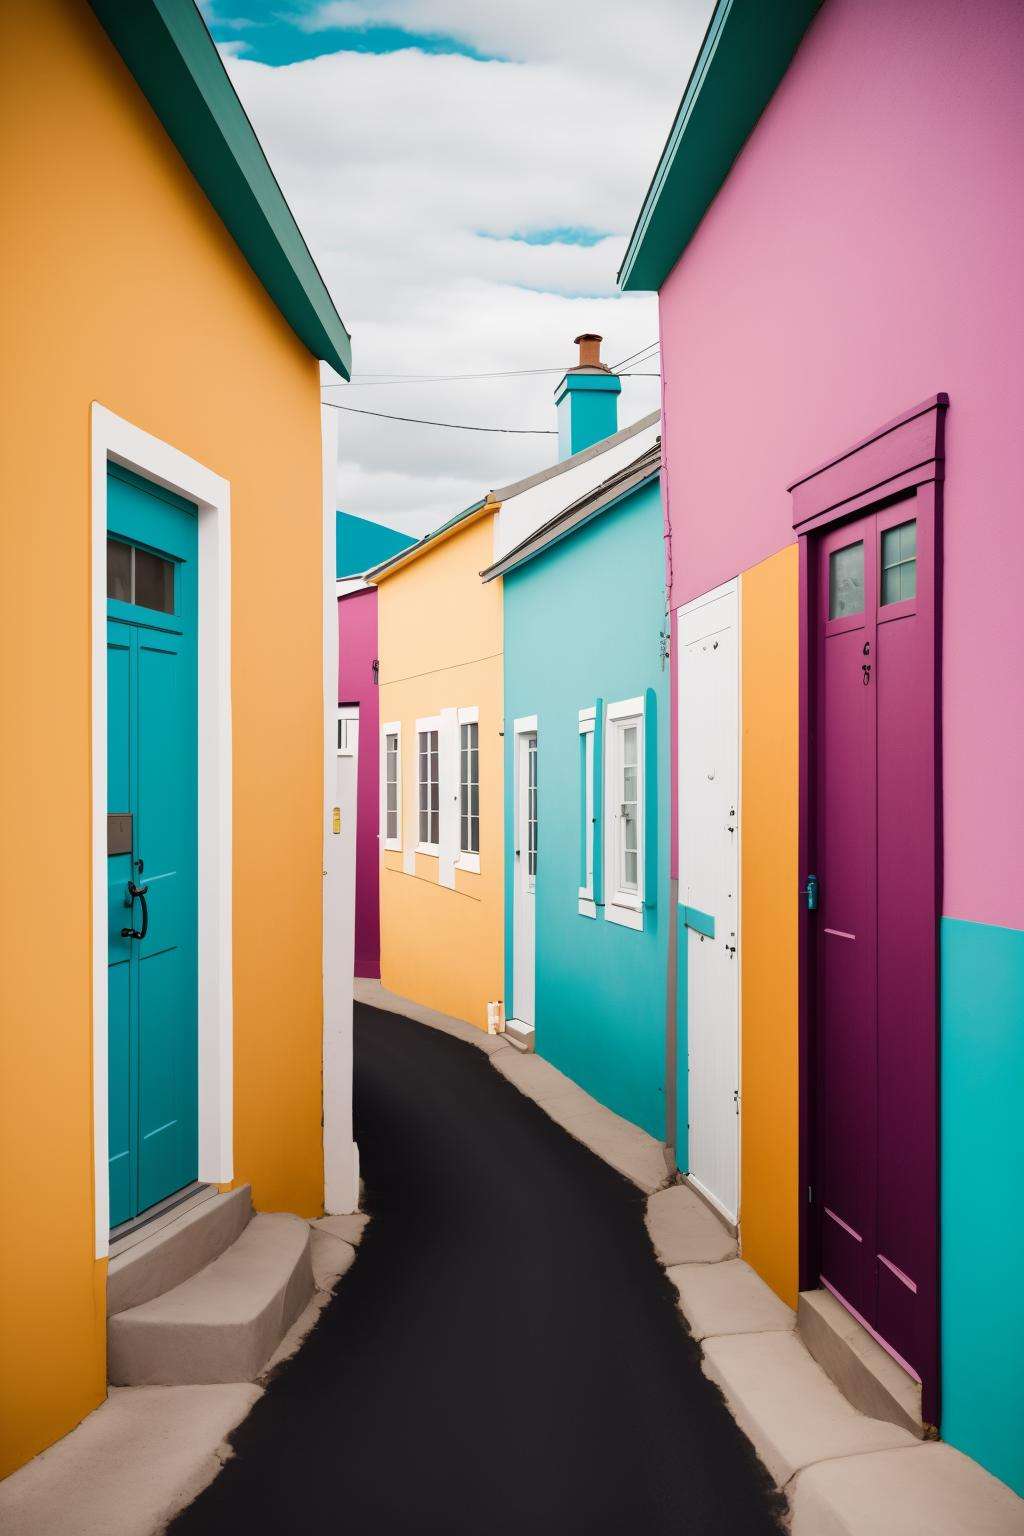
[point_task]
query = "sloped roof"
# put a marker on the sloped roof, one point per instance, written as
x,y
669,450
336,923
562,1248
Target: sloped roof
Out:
x,y
747,49
168,49
601,498
360,544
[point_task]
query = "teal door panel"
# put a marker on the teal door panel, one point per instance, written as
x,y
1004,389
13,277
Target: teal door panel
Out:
x,y
152,745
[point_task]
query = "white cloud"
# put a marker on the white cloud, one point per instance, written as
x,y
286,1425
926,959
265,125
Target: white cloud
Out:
x,y
401,169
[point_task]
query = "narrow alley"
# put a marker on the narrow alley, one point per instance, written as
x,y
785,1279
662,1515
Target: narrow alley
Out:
x,y
526,1363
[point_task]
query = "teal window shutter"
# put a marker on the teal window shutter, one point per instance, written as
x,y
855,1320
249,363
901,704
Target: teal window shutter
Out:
x,y
599,802
650,798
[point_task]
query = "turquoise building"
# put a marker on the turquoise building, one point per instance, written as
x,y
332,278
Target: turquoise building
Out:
x,y
587,808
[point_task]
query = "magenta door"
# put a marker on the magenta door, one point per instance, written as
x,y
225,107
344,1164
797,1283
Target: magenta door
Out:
x,y
875,742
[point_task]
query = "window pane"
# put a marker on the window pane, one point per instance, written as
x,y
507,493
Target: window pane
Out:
x,y
899,563
846,581
119,571
474,834
154,582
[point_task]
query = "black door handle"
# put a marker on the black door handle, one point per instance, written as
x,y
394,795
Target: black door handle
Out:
x,y
139,891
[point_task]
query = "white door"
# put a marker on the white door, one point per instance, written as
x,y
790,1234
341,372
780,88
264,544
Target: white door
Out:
x,y
708,649
524,964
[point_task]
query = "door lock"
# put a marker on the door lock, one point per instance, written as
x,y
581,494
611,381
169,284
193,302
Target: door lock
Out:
x,y
810,892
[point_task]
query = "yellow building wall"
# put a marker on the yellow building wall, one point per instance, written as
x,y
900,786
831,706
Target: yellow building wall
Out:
x,y
769,881
118,283
439,642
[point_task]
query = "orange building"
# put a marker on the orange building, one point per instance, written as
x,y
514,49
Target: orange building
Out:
x,y
165,600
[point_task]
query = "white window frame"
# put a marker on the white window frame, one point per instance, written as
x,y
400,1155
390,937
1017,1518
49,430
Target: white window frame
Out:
x,y
588,810
622,906
391,844
347,715
429,723
465,860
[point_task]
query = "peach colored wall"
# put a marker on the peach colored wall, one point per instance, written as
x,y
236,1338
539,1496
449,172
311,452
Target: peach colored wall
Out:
x,y
866,251
120,284
769,780
440,642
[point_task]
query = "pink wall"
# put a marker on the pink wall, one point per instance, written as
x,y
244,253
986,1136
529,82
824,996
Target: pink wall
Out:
x,y
866,251
357,651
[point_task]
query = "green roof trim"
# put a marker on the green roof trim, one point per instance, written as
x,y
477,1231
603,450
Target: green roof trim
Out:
x,y
167,47
746,51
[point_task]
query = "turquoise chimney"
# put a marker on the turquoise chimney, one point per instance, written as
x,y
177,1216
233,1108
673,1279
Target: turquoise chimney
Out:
x,y
587,400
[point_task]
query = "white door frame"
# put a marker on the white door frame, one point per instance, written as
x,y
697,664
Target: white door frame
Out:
x,y
341,1155
117,441
727,589
522,728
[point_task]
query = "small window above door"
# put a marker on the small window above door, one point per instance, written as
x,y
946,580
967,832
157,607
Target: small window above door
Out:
x,y
140,577
846,581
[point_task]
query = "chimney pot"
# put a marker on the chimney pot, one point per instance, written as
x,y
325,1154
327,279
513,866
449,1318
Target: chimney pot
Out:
x,y
590,349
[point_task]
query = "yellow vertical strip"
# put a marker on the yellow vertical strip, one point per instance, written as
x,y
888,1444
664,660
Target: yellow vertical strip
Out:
x,y
770,770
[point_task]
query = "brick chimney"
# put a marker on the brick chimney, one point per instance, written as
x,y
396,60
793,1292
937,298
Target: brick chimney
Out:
x,y
586,399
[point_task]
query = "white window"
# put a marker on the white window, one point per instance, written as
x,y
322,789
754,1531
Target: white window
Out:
x,y
624,813
469,789
391,785
428,784
348,729
588,812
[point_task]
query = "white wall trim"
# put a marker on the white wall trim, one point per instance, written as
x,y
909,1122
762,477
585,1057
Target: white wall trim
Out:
x,y
114,439
524,723
341,1155
448,797
725,590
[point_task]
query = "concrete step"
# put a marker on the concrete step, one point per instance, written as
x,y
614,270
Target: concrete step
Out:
x,y
177,1250
685,1230
522,1036
223,1323
864,1372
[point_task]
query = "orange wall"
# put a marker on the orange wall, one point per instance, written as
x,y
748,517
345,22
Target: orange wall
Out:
x,y
118,283
770,784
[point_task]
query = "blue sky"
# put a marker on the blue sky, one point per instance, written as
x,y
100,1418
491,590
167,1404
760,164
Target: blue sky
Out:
x,y
466,173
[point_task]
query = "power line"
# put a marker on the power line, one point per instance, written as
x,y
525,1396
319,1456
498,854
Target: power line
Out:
x,y
455,426
651,346
456,378
383,379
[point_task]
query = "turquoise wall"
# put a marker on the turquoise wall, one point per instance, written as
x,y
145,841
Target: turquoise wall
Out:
x,y
982,1181
582,623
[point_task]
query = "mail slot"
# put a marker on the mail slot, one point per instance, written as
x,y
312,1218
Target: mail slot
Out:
x,y
119,833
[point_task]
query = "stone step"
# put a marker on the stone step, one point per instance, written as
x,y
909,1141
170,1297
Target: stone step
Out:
x,y
223,1323
177,1250
864,1372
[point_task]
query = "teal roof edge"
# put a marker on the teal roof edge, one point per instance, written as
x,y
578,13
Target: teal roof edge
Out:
x,y
167,47
746,51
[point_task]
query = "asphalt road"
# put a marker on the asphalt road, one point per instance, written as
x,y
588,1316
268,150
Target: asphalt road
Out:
x,y
505,1358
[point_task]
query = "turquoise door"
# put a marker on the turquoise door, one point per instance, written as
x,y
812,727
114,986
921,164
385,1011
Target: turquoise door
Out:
x,y
152,768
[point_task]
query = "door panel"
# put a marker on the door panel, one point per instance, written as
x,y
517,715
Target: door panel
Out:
x,y
876,844
527,853
152,768
709,882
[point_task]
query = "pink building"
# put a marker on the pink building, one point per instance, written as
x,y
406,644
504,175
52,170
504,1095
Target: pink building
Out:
x,y
357,692
836,232
361,544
